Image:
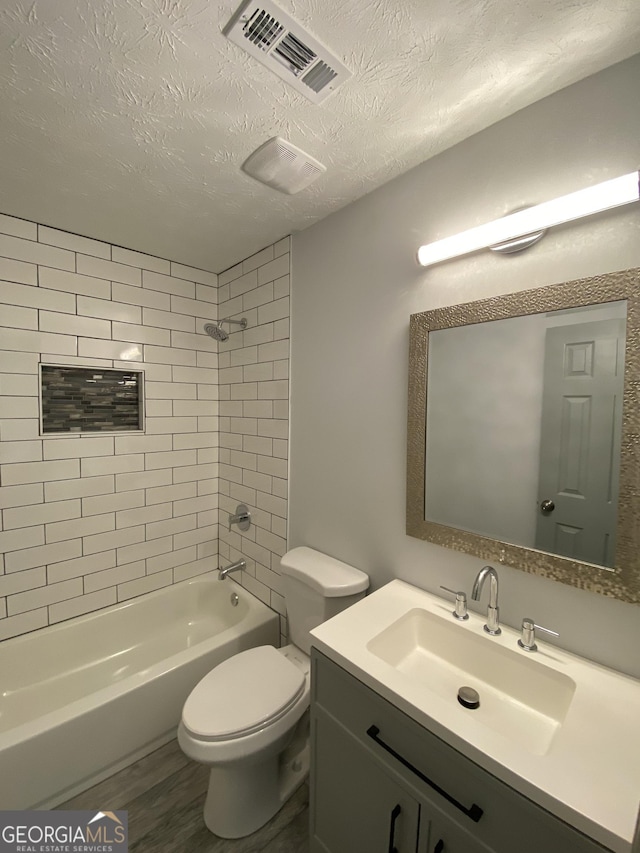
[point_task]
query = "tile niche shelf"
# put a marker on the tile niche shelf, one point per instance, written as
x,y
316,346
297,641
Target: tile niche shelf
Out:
x,y
90,400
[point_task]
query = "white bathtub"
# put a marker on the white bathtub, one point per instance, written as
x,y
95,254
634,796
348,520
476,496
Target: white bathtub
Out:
x,y
82,699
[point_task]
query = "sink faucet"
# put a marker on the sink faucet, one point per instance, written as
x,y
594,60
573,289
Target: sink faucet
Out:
x,y
492,625
232,567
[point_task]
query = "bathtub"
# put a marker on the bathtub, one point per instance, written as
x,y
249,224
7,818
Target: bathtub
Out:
x,y
85,698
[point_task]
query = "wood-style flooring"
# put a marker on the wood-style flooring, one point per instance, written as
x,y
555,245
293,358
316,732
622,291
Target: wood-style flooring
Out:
x,y
164,795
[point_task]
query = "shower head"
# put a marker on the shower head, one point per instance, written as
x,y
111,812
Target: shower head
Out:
x,y
215,330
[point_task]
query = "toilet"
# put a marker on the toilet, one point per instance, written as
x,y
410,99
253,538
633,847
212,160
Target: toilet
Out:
x,y
248,718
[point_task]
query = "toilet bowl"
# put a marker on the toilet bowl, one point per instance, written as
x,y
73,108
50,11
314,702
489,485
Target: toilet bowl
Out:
x,y
239,720
248,718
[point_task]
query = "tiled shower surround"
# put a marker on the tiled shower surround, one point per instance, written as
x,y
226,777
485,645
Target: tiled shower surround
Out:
x,y
254,412
89,520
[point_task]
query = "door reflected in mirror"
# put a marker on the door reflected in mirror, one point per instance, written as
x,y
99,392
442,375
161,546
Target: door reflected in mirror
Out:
x,y
523,429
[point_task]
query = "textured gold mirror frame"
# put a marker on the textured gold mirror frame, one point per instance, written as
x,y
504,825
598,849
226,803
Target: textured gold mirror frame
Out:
x,y
623,581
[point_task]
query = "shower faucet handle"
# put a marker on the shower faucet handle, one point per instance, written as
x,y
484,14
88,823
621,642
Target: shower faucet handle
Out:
x,y
460,611
241,517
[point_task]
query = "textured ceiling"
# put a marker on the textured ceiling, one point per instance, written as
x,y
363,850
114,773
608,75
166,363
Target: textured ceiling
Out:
x,y
128,120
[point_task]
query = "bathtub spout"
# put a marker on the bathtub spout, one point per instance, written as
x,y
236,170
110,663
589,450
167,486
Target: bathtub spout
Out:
x,y
232,567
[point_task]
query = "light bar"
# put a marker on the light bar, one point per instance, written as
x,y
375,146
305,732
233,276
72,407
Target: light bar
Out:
x,y
604,196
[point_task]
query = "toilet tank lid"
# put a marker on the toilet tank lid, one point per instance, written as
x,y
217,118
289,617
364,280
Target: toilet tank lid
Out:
x,y
322,573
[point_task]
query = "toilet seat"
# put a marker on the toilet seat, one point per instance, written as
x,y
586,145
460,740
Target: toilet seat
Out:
x,y
242,695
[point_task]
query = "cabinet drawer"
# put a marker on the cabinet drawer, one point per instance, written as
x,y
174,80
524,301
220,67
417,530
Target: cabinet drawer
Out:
x,y
493,812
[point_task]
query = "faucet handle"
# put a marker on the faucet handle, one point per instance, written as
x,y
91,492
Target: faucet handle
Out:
x,y
241,517
460,611
528,639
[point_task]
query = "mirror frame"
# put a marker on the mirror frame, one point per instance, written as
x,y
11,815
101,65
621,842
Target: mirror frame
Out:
x,y
623,580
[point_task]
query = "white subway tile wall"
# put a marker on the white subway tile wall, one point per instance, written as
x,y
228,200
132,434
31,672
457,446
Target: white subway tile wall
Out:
x,y
86,521
254,418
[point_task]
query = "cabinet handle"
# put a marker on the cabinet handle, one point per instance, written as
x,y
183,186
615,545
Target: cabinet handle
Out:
x,y
395,814
439,847
474,812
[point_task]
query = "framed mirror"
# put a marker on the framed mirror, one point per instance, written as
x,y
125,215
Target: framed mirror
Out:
x,y
524,431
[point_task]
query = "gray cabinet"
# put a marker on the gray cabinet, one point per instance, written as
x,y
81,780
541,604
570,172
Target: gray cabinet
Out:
x,y
381,783
362,807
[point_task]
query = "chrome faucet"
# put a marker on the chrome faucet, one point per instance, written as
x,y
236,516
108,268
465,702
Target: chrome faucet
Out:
x,y
232,567
492,625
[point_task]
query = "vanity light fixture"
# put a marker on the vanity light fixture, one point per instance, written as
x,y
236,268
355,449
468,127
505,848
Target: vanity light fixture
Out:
x,y
515,226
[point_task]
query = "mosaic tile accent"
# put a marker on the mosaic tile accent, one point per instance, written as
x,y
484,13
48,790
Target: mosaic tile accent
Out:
x,y
89,399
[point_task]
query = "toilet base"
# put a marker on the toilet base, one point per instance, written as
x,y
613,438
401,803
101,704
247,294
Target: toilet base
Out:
x,y
243,797
240,801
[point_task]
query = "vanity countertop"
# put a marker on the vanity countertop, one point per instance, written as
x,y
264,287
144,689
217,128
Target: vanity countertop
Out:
x,y
585,768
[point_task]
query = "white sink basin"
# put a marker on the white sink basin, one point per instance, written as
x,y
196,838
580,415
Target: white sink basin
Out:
x,y
560,729
519,698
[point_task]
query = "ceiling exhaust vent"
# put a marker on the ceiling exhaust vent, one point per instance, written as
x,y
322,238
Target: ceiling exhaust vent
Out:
x,y
281,165
280,43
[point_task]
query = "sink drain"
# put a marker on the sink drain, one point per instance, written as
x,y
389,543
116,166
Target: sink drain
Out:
x,y
469,698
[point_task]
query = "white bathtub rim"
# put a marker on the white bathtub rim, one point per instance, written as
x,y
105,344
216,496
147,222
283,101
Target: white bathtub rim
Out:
x,y
119,606
77,707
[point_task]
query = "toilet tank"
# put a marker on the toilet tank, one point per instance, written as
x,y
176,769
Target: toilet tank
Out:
x,y
316,587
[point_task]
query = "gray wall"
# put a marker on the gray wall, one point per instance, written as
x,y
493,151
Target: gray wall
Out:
x,y
355,282
483,427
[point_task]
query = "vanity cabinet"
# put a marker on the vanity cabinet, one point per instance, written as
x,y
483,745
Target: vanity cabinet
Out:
x,y
381,783
360,806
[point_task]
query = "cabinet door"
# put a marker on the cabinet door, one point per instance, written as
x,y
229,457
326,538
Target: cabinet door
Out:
x,y
355,805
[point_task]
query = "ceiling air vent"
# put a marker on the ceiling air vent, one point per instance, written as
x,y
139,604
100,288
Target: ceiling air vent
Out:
x,y
283,166
280,43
